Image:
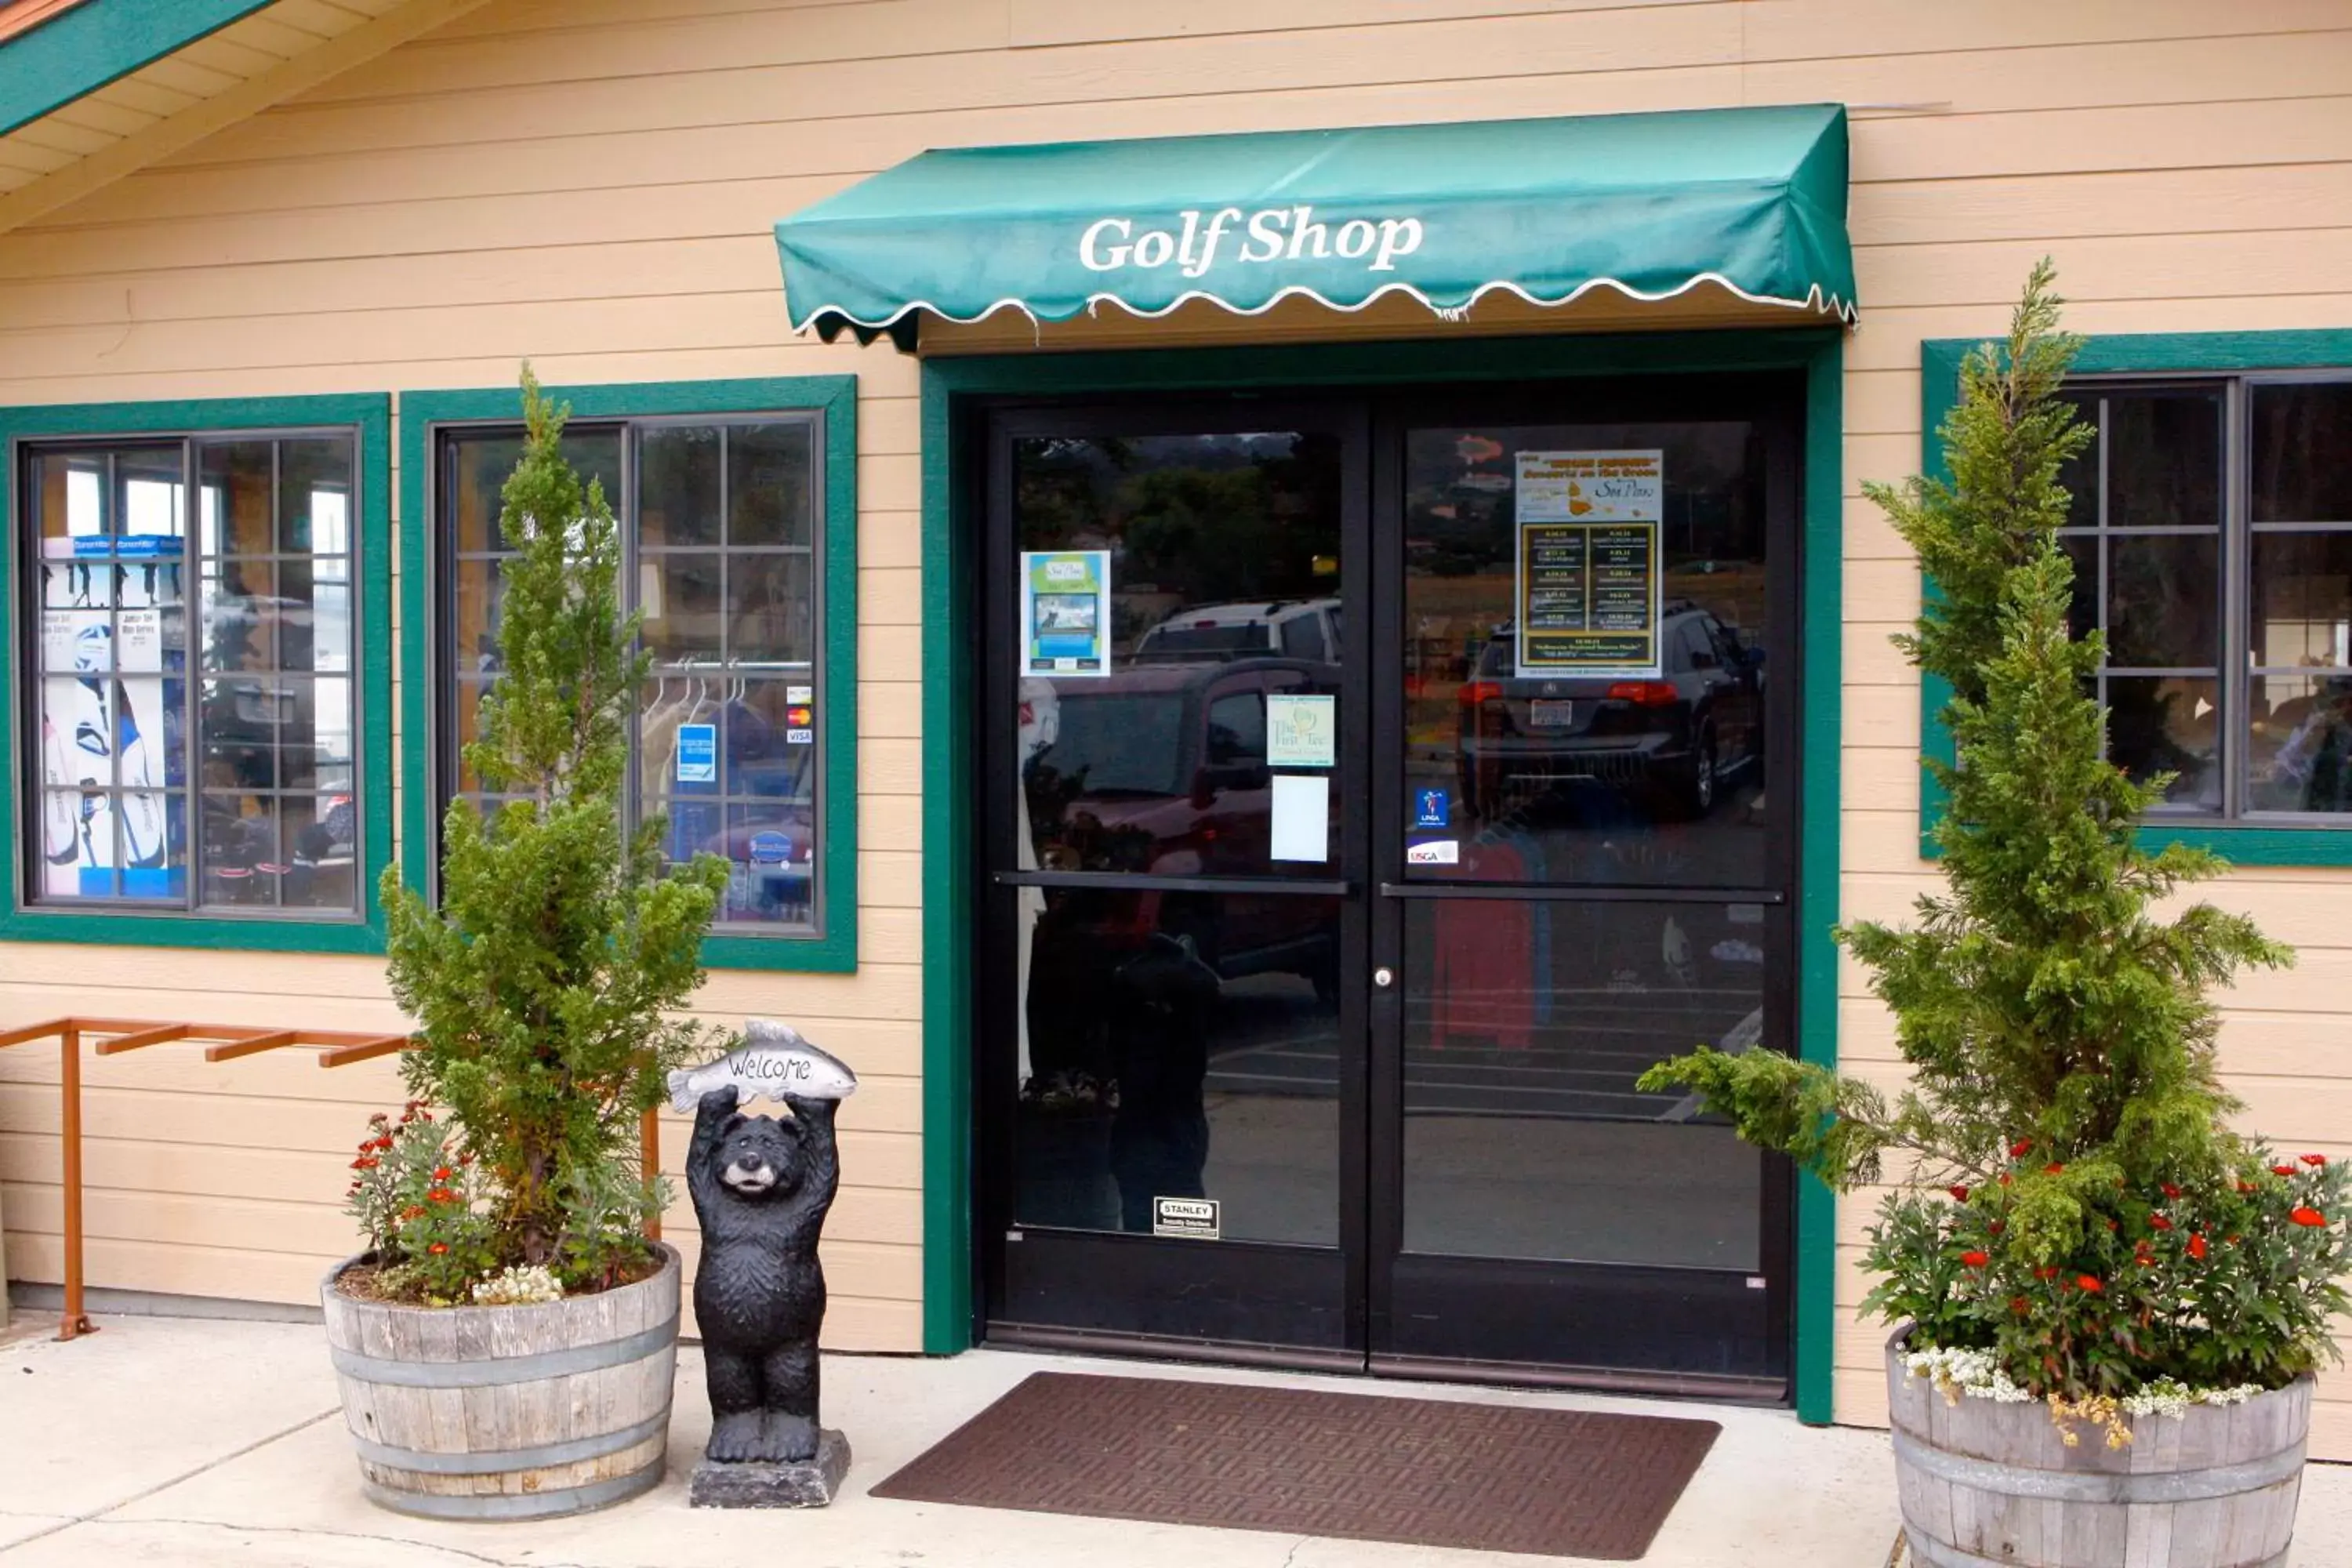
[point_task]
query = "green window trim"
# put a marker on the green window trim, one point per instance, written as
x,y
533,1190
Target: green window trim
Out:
x,y
78,51
950,565
370,415
2152,354
833,396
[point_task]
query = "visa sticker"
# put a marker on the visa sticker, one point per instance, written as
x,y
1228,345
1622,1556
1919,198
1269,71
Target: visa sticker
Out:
x,y
1432,808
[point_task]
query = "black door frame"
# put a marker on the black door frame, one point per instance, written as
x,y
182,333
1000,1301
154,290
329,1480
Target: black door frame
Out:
x,y
951,396
1667,1304
1231,1289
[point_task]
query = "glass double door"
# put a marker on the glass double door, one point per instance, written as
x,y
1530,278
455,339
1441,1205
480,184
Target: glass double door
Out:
x,y
1373,789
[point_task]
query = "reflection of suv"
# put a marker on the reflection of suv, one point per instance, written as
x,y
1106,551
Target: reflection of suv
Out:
x,y
1293,628
1161,770
1699,721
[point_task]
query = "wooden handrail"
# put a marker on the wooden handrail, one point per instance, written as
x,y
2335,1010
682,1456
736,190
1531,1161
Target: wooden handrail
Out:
x,y
336,1048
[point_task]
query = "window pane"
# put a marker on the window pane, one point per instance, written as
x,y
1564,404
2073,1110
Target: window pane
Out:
x,y
2164,459
2168,724
105,656
771,609
2083,613
2081,474
2163,600
480,462
240,497
681,596
2300,453
314,495
770,497
2302,587
2302,754
474,623
677,492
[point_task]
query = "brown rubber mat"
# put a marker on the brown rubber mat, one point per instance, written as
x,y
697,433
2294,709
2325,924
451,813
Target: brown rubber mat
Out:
x,y
1423,1472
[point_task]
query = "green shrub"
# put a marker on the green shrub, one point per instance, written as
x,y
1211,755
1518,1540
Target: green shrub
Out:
x,y
2073,1199
547,983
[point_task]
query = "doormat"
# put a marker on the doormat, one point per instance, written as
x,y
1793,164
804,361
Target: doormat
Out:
x,y
1422,1472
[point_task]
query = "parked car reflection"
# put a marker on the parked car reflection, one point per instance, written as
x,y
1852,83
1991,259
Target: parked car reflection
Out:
x,y
1680,735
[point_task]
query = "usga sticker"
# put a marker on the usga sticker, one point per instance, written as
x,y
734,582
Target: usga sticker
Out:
x,y
1435,852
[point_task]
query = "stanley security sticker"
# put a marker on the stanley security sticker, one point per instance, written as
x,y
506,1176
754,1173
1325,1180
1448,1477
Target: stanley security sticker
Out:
x,y
1186,1217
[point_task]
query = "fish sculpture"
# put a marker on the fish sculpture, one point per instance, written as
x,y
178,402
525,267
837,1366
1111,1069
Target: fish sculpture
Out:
x,y
773,1061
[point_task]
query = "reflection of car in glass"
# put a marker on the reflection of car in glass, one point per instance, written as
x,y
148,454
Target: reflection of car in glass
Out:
x,y
1685,732
1162,770
1292,629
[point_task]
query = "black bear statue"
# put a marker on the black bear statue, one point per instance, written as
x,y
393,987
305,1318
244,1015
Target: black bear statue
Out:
x,y
760,1189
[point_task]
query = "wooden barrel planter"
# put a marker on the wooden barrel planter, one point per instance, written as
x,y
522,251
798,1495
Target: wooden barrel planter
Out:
x,y
1985,1484
525,1411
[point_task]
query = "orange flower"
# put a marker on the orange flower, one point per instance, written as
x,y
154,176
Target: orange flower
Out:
x,y
2315,1160
441,1174
364,1163
437,1249
440,1196
2248,1187
2052,1168
2281,1170
2089,1282
2304,1214
2197,1246
1974,1259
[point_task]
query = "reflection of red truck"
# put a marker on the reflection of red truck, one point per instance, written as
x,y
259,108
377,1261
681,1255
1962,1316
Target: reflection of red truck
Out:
x,y
1160,770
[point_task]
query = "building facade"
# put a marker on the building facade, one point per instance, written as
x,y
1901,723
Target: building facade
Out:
x,y
1247,782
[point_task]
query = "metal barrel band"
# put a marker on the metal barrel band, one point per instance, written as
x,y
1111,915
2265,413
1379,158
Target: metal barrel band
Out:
x,y
503,1370
500,1461
1930,1553
518,1505
2085,1486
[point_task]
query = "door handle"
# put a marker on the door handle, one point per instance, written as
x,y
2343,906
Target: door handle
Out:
x,y
1383,977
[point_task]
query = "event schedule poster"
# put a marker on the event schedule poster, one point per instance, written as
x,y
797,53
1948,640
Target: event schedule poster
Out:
x,y
1589,566
1065,613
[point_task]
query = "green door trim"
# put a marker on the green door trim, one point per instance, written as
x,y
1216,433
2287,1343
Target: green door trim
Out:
x,y
951,635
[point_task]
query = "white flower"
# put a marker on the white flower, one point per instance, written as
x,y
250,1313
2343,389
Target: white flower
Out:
x,y
519,1286
1976,1373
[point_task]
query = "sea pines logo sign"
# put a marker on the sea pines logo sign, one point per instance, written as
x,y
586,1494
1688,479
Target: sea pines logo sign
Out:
x,y
1198,240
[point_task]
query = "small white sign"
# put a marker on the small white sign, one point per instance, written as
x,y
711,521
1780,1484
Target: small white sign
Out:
x,y
799,693
1301,730
1434,852
1302,817
1197,1217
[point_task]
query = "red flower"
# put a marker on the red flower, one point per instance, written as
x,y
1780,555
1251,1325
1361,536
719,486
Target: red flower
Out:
x,y
2052,1168
2197,1246
2004,1178
2111,1225
2315,1160
441,1174
1960,1194
1975,1260
2281,1170
2022,1147
2229,1241
364,1163
2170,1191
2046,1271
440,1196
437,1249
414,1211
385,1144
2304,1214
2089,1282
2248,1187
1996,1227
2018,1305
2158,1221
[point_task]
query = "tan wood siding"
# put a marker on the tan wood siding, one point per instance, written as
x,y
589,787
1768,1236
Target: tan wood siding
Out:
x,y
591,185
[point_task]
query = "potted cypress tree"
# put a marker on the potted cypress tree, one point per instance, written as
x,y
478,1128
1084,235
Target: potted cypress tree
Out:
x,y
505,1345
2110,1305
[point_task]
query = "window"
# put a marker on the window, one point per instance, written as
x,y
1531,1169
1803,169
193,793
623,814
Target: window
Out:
x,y
2212,537
727,520
191,726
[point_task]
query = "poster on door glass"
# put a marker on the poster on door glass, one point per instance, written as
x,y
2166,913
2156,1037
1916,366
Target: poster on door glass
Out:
x,y
1587,564
105,758
1065,613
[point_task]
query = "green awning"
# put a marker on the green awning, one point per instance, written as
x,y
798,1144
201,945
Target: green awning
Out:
x,y
1649,205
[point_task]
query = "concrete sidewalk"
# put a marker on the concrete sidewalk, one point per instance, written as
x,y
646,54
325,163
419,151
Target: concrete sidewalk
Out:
x,y
205,1443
